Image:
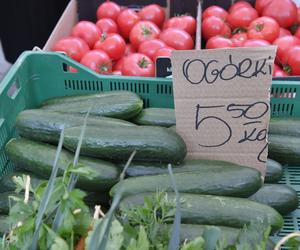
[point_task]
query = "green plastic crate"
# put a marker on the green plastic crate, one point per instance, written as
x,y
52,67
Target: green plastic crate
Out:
x,y
37,76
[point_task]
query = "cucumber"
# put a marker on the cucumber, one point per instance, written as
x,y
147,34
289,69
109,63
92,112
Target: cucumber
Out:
x,y
150,143
153,168
229,234
235,182
156,117
274,171
7,184
284,149
38,158
4,225
43,125
217,210
116,104
285,126
281,197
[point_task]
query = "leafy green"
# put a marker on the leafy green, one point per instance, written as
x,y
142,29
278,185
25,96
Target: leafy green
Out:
x,y
293,243
211,236
197,244
141,242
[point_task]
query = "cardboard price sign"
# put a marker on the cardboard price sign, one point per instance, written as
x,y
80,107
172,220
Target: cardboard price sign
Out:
x,y
222,103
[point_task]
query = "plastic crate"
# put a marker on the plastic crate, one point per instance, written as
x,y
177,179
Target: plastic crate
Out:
x,y
37,76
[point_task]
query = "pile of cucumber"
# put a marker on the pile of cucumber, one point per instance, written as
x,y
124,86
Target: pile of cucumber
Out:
x,y
213,192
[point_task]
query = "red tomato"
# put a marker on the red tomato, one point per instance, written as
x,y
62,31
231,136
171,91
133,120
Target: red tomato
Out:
x,y
143,31
107,25
283,44
261,4
150,47
129,50
108,9
283,11
219,42
215,11
177,39
119,64
74,47
284,32
293,60
297,33
138,65
117,73
113,44
163,52
239,39
213,26
186,23
153,13
98,61
241,17
126,21
256,43
240,4
278,72
264,28
298,15
87,31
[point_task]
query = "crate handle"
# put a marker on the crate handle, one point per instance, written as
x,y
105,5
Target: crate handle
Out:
x,y
13,90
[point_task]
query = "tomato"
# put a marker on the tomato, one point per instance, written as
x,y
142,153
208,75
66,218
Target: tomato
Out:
x,y
215,11
242,17
238,5
129,49
113,44
153,13
283,44
119,65
150,47
297,33
261,4
177,39
143,31
117,73
293,61
107,25
108,9
218,42
278,72
283,11
256,43
239,39
138,65
264,28
98,61
284,32
163,52
87,31
213,26
126,21
186,23
74,47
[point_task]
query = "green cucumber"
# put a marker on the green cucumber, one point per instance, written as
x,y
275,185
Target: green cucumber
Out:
x,y
116,104
4,225
281,197
43,125
150,143
284,149
216,210
38,158
229,234
7,184
235,182
285,126
274,171
156,117
154,168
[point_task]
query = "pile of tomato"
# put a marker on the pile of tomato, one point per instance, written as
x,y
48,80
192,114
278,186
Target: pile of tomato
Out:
x,y
126,42
268,22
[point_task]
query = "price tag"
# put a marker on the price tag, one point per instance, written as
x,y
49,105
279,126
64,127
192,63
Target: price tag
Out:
x,y
222,103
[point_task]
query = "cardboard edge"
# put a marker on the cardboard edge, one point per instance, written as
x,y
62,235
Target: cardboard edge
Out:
x,y
64,26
